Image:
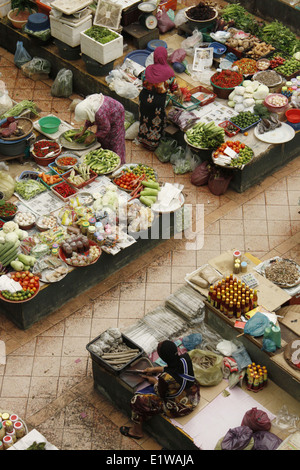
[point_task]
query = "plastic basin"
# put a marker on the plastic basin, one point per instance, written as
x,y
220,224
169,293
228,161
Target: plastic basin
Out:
x,y
49,124
293,115
200,24
18,20
38,22
219,49
274,108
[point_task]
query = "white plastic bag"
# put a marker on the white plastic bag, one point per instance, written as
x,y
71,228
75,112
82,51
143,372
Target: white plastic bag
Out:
x,y
6,103
63,84
133,131
180,18
21,55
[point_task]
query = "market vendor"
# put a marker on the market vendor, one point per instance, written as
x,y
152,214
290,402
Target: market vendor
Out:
x,y
175,392
109,116
158,79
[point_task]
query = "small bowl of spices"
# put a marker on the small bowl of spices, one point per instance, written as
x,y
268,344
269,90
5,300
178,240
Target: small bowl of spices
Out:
x,y
263,64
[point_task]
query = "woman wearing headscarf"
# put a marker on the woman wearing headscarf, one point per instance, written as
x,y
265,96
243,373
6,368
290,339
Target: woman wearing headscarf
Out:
x,y
174,392
109,116
158,79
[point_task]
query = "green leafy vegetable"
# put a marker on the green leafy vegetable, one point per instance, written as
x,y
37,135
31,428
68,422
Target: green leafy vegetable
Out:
x,y
205,135
101,34
19,108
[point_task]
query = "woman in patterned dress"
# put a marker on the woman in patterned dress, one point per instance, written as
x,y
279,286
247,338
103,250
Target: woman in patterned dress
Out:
x,y
158,79
175,392
109,116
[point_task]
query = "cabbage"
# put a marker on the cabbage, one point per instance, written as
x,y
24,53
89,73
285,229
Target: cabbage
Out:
x,y
231,104
10,226
239,90
261,92
11,237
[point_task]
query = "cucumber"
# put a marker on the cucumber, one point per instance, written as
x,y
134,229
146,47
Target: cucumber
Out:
x,y
149,192
10,257
146,201
6,246
8,253
150,184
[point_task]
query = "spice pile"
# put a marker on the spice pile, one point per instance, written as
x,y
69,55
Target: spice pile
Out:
x,y
227,79
283,272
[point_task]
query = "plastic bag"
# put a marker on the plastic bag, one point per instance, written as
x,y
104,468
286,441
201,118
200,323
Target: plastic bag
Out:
x,y
177,56
207,367
7,184
180,18
285,420
63,84
165,149
36,66
200,175
6,103
257,324
21,55
164,22
133,131
239,438
182,118
124,88
129,119
257,420
191,341
264,440
190,43
218,184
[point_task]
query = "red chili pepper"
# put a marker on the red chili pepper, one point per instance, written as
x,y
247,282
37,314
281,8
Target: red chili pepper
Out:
x,y
227,79
64,190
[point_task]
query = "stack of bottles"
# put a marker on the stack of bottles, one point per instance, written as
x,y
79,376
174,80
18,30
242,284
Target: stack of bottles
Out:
x,y
232,297
256,377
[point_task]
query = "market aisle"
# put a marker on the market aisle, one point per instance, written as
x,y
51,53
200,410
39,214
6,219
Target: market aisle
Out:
x,y
47,379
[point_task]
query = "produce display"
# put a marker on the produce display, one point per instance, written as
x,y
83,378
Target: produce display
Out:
x,y
245,119
269,78
205,135
70,135
201,12
283,272
24,219
289,67
227,79
49,179
260,49
43,148
101,34
245,66
233,154
66,161
19,108
102,161
47,222
64,190
80,175
276,61
11,128
28,189
79,251
7,210
244,97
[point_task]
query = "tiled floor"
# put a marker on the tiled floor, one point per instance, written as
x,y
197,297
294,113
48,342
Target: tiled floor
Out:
x,y
47,378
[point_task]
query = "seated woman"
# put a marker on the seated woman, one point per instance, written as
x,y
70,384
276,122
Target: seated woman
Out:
x,y
175,392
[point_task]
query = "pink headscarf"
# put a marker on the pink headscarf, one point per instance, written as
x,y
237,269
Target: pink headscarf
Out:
x,y
160,71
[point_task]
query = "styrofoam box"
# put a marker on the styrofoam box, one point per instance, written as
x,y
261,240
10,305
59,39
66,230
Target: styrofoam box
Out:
x,y
102,53
70,35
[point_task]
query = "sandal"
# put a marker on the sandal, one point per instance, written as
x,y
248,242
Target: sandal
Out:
x,y
125,431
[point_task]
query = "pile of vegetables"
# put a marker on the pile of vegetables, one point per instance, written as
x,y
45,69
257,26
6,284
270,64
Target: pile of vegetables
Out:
x,y
80,174
50,179
245,66
19,108
246,96
205,135
289,67
148,195
7,209
102,161
241,41
245,119
101,34
66,161
28,189
70,135
29,284
242,18
243,154
268,124
10,237
42,148
64,190
227,79
260,49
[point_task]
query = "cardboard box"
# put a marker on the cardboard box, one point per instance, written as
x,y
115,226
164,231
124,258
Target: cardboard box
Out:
x,y
102,53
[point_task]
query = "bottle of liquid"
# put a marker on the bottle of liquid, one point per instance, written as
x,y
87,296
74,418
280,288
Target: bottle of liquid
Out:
x,y
255,299
230,310
238,310
209,293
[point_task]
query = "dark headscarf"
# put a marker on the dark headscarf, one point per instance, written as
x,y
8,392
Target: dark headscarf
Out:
x,y
160,71
168,352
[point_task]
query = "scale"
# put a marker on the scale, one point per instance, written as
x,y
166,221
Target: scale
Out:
x,y
148,19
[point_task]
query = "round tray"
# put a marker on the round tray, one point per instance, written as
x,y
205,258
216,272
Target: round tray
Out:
x,y
27,126
280,135
43,274
83,197
65,259
194,146
19,301
284,286
43,228
180,204
229,167
66,167
73,145
139,56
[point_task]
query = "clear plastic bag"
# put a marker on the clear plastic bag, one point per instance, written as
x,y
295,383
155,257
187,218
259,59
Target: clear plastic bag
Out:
x,y
287,420
6,103
36,66
63,84
21,55
257,420
165,149
7,184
